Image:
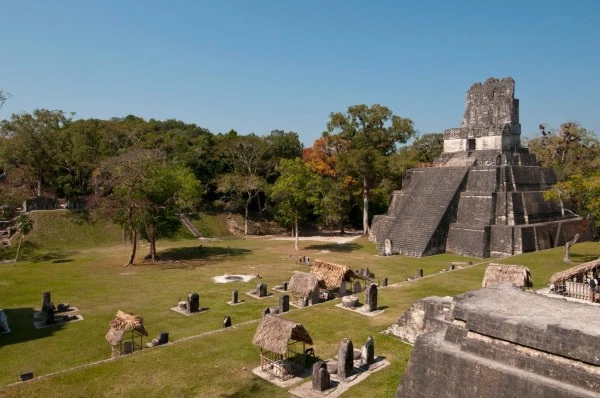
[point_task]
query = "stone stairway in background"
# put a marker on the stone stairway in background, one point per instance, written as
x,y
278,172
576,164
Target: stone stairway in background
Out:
x,y
428,199
190,226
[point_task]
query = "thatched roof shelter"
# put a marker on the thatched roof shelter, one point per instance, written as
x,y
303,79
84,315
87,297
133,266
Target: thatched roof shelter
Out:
x,y
496,274
304,283
122,323
333,274
579,269
273,334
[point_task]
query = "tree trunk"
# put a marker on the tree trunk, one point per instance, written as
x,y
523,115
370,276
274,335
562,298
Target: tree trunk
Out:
x,y
39,187
260,210
246,218
152,242
568,245
133,247
18,248
297,237
365,207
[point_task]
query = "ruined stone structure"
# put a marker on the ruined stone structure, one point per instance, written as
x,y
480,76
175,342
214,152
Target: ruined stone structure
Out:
x,y
424,316
484,195
504,342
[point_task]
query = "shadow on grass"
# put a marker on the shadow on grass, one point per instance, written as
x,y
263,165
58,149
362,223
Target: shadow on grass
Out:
x,y
581,258
335,247
56,256
247,390
202,253
20,322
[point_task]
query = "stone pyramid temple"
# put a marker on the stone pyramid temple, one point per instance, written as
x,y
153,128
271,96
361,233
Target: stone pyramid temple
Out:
x,y
483,197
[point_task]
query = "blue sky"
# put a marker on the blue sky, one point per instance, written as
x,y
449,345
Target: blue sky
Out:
x,y
255,66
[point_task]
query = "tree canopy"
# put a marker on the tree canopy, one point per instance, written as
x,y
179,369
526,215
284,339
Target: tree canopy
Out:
x,y
365,137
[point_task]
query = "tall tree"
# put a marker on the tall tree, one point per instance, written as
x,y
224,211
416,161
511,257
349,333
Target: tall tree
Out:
x,y
367,136
296,193
31,142
143,193
238,192
169,190
571,150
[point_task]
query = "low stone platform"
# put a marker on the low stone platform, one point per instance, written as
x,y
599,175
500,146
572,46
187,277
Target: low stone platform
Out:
x,y
360,373
184,312
240,302
259,298
277,381
59,320
70,311
360,310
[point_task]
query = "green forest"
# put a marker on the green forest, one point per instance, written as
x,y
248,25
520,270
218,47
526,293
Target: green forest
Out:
x,y
143,174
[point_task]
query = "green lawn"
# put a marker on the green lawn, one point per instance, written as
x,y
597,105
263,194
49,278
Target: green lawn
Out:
x,y
217,364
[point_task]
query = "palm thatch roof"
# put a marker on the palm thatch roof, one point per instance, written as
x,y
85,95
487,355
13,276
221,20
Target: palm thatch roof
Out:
x,y
304,283
273,334
496,274
121,324
333,274
576,270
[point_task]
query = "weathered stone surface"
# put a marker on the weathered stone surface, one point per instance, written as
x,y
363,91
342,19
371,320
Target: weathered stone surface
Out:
x,y
345,358
367,352
284,303
193,302
504,342
321,380
227,322
371,297
350,301
424,316
261,290
3,322
486,199
266,311
234,297
357,287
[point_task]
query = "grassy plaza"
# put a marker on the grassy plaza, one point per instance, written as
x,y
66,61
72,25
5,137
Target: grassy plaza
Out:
x,y
82,266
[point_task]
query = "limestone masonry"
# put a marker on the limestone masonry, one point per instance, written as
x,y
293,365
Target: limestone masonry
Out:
x,y
484,195
503,342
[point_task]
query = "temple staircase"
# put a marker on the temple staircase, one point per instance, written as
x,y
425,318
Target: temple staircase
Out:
x,y
428,200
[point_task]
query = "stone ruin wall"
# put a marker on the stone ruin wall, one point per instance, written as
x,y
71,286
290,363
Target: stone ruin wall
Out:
x,y
491,118
503,342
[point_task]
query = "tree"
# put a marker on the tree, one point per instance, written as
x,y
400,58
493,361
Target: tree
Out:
x,y
3,97
238,192
296,192
571,150
24,225
583,190
119,183
366,136
141,192
428,147
168,190
244,157
31,142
